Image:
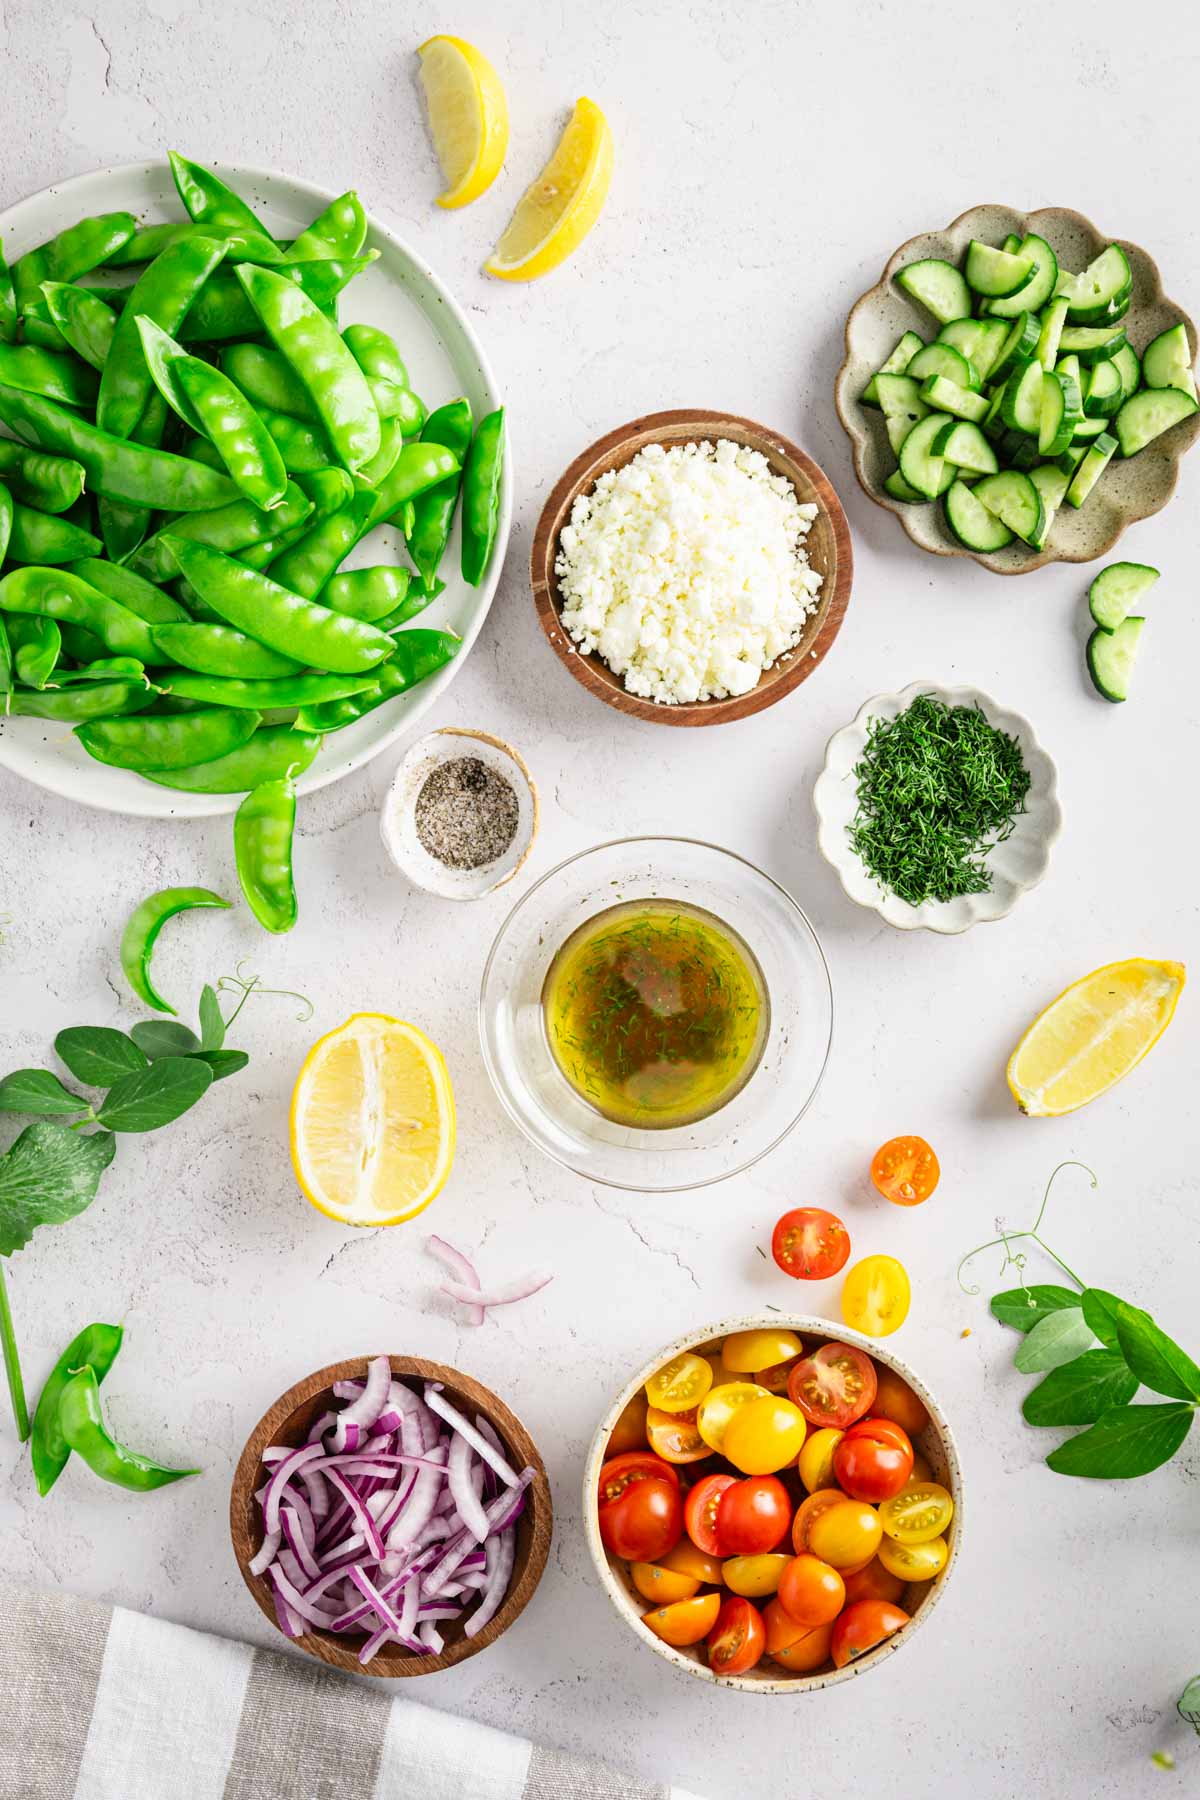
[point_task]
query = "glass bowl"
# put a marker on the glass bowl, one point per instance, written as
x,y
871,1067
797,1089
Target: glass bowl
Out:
x,y
537,1096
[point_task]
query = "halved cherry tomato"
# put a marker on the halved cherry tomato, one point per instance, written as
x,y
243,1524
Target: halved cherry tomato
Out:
x,y
874,1582
905,1170
686,1559
754,1576
765,1435
775,1378
738,1638
674,1437
812,1591
680,1385
700,1514
834,1386
811,1509
629,1432
635,1465
876,1296
810,1243
920,1511
806,1653
862,1626
894,1399
718,1407
745,1351
662,1586
781,1628
816,1459
685,1622
752,1516
873,1460
639,1507
914,1562
846,1535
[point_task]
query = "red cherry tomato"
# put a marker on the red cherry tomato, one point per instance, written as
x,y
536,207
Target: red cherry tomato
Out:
x,y
810,1243
738,1638
862,1626
872,1582
753,1516
700,1513
634,1465
905,1170
873,1460
834,1386
639,1507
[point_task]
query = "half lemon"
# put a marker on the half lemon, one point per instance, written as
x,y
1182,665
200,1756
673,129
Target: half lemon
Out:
x,y
555,214
1093,1034
372,1122
468,117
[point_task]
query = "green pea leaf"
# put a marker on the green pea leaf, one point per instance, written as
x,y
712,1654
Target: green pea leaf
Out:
x,y
212,1023
38,1091
1023,1308
48,1175
1156,1360
97,1054
1100,1311
1080,1391
164,1037
155,1096
1125,1442
223,1062
1058,1339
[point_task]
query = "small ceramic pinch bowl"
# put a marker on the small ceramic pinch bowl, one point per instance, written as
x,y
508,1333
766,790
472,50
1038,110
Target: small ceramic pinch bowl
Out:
x,y
1017,864
398,825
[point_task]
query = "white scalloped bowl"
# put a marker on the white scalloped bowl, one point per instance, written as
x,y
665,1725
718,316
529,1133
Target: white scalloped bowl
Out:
x,y
1016,865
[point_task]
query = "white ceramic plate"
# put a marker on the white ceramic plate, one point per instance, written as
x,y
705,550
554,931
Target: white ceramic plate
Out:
x,y
1016,865
401,294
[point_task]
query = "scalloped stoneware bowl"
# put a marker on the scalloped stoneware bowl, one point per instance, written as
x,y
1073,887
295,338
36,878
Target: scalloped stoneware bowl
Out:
x,y
1130,489
1017,864
936,1444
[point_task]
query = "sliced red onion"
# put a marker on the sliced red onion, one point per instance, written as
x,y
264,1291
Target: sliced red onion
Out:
x,y
362,1516
290,1623
379,1605
266,1556
504,1294
429,1635
298,1602
452,1416
318,1493
291,1465
462,1487
499,1512
418,1508
293,1531
463,1271
320,1426
501,1553
362,1413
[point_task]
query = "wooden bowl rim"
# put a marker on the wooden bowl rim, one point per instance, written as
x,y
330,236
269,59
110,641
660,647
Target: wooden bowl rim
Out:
x,y
246,1531
835,590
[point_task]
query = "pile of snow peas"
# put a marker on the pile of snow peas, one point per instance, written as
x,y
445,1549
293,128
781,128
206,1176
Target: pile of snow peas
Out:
x,y
194,449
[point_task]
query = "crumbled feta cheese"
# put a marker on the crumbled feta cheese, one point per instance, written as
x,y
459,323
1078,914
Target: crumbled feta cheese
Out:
x,y
686,571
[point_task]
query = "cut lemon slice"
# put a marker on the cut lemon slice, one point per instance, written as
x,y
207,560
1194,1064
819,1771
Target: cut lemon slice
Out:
x,y
556,213
468,116
372,1122
1093,1034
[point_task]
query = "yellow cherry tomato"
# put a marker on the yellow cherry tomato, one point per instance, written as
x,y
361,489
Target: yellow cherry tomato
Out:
x,y
719,1371
876,1296
718,1407
816,1459
754,1576
920,1512
687,1559
765,1435
662,1586
680,1385
674,1437
746,1351
846,1535
914,1562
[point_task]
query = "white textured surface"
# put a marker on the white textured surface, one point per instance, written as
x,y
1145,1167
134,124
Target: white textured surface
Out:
x,y
765,169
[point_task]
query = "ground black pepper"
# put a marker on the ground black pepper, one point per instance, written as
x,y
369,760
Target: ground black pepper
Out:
x,y
466,813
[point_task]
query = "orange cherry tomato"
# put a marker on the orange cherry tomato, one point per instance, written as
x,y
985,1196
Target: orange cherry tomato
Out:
x,y
894,1399
674,1437
700,1513
662,1586
845,1535
780,1627
905,1170
810,1509
685,1622
811,1591
738,1638
862,1626
753,1516
686,1559
629,1432
775,1378
808,1652
834,1386
873,1460
872,1582
810,1243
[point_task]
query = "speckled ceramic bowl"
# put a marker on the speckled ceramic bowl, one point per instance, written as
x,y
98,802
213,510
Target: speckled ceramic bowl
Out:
x,y
936,1444
1017,864
398,823
1129,490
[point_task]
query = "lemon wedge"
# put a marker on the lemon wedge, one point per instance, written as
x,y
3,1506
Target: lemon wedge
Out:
x,y
1093,1034
556,213
468,116
372,1122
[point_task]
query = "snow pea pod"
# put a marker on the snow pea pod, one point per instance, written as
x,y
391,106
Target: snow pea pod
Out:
x,y
262,840
84,1430
140,596
77,250
227,528
36,645
328,489
149,241
267,379
391,442
123,527
416,656
268,756
87,324
220,650
47,538
232,690
163,293
243,442
417,467
170,743
482,473
400,404
307,566
96,1347
222,311
332,378
419,597
433,511
58,375
143,926
259,606
208,201
8,302
51,483
341,230
387,376
369,594
84,646
101,667
75,705
57,594
113,467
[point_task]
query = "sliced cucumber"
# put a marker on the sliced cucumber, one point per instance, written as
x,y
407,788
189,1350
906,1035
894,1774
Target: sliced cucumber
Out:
x,y
1040,286
1092,343
979,340
1012,496
1021,407
1071,458
1117,589
1091,469
1012,243
946,396
939,286
930,475
1111,656
1051,484
993,425
1018,347
1105,390
1062,410
965,446
1053,320
996,273
1089,429
1148,414
896,364
898,488
902,405
943,359
1102,293
1167,361
1126,360
971,523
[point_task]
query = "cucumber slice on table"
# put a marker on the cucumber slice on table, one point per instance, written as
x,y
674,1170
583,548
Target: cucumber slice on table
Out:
x,y
943,359
1040,286
1021,407
1091,469
1126,360
930,475
1147,415
965,446
1020,346
979,340
1053,320
971,523
1062,409
1092,343
1111,656
939,286
896,364
1013,498
1167,361
1117,589
996,273
948,397
1102,292
898,488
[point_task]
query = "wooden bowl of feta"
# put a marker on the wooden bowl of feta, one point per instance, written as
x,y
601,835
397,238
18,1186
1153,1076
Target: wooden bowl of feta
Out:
x,y
692,567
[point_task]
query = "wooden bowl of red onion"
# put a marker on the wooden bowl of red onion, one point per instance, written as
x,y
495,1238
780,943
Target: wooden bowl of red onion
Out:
x,y
391,1516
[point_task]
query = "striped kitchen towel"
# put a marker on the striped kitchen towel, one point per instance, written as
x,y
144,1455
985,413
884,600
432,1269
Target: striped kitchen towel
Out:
x,y
103,1704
